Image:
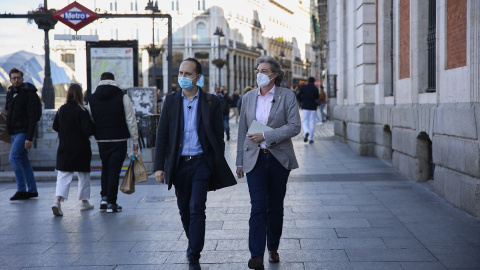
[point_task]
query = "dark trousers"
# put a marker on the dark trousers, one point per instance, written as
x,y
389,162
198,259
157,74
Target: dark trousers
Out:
x,y
191,186
113,155
267,184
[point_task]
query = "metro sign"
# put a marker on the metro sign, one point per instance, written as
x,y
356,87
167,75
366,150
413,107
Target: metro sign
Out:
x,y
75,16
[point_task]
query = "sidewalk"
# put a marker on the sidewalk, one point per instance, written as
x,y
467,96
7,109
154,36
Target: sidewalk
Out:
x,y
342,211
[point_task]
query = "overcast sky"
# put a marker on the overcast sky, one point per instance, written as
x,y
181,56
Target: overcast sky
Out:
x,y
17,34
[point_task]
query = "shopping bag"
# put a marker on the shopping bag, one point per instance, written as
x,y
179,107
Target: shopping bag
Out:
x,y
139,168
128,182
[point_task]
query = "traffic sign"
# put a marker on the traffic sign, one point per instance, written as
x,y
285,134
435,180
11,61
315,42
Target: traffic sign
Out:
x,y
75,16
93,38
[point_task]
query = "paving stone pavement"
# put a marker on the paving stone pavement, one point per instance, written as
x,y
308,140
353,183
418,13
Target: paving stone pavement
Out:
x,y
342,212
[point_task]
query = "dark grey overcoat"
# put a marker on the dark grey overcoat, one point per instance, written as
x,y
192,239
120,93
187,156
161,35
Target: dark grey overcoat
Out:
x,y
210,133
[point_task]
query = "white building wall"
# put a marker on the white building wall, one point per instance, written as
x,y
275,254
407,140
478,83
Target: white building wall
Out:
x,y
350,94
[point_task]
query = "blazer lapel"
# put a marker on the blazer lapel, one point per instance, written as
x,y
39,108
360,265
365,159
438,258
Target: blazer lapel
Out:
x,y
203,110
179,110
253,102
277,98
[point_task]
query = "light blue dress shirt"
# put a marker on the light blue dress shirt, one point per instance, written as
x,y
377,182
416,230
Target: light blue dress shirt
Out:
x,y
191,144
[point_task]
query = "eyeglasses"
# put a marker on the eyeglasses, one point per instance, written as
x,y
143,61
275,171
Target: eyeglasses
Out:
x,y
16,78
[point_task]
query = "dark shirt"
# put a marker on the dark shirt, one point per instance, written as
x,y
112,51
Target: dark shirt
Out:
x,y
235,99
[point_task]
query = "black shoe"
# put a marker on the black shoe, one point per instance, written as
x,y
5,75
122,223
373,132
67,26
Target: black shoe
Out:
x,y
32,194
306,137
20,195
194,264
228,137
113,208
103,204
256,263
310,142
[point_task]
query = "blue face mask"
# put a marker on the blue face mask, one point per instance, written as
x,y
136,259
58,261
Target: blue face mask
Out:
x,y
185,83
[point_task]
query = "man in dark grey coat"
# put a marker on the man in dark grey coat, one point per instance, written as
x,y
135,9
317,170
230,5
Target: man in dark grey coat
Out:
x,y
189,153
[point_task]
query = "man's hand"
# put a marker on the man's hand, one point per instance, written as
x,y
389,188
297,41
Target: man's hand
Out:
x,y
28,144
240,172
135,147
160,176
256,137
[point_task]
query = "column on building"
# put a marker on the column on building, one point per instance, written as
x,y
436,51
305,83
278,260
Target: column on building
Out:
x,y
475,50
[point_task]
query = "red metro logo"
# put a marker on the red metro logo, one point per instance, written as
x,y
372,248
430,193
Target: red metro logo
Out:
x,y
75,16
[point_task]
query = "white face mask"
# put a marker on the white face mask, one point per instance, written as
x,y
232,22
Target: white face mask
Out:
x,y
263,80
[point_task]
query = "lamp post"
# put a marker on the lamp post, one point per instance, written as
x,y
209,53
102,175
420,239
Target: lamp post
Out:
x,y
153,53
46,24
219,33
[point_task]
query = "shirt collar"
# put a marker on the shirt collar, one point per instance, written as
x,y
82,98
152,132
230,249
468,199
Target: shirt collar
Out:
x,y
272,91
184,97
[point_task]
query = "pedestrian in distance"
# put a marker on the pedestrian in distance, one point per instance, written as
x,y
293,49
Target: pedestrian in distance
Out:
x,y
323,102
308,96
190,153
23,109
74,126
267,157
225,103
115,123
234,106
239,103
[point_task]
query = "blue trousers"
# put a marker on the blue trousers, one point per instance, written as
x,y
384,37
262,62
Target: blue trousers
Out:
x,y
18,158
191,183
267,184
322,111
226,125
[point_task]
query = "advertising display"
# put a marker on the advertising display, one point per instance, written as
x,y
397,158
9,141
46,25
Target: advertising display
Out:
x,y
118,61
117,57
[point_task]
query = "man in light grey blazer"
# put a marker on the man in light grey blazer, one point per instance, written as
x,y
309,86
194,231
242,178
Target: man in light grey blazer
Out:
x,y
267,157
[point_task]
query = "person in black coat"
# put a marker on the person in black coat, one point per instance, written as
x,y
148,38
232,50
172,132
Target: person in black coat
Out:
x,y
308,96
190,153
21,109
74,127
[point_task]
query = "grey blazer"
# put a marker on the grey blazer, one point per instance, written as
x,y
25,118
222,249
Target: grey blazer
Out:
x,y
283,118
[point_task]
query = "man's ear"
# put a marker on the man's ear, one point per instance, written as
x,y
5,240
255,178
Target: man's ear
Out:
x,y
197,78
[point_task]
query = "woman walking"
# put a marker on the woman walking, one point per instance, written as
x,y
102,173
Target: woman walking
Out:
x,y
267,157
74,127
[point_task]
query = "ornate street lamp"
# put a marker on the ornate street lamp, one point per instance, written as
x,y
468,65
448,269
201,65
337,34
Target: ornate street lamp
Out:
x,y
153,51
220,62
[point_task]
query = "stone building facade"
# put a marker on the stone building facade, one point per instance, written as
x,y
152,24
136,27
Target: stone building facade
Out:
x,y
251,28
404,85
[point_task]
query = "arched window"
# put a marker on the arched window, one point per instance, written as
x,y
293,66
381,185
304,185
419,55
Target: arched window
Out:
x,y
202,32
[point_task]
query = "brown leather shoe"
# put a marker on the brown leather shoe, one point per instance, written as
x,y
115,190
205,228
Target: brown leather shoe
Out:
x,y
273,257
256,263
